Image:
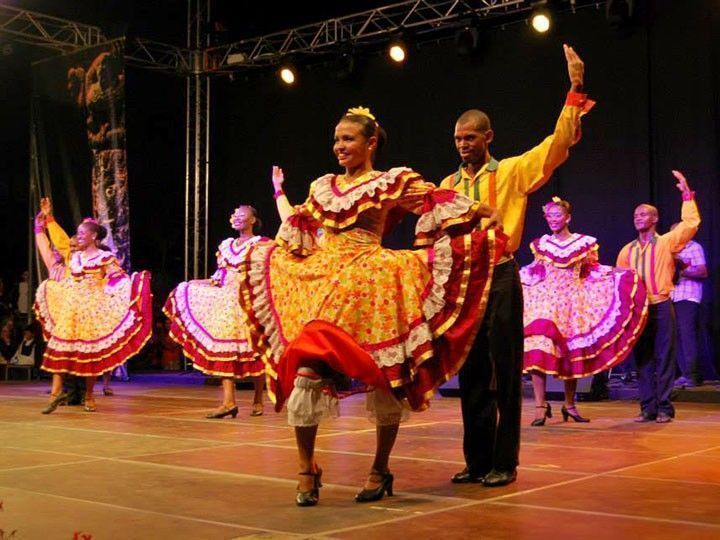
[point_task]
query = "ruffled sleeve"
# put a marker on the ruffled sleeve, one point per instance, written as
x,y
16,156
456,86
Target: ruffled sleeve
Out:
x,y
112,270
218,277
222,254
299,232
442,211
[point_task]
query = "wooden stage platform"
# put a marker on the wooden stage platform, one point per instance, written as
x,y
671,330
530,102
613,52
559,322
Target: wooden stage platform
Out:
x,y
148,465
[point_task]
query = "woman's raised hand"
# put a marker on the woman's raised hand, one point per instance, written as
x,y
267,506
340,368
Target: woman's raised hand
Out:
x,y
46,207
277,178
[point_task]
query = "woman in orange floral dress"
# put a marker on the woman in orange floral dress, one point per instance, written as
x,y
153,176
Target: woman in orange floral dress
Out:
x,y
93,320
580,317
336,301
207,321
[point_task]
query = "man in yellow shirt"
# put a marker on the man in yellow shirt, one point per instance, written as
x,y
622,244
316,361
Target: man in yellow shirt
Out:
x,y
652,256
491,379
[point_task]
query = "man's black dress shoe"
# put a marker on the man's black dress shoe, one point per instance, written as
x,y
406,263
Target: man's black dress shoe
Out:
x,y
499,478
464,477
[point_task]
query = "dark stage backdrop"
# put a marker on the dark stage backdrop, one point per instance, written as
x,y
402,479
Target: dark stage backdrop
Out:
x,y
156,166
657,94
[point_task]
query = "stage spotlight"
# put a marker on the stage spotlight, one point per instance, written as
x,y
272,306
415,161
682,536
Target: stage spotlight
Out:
x,y
287,74
467,41
540,20
620,15
345,62
397,51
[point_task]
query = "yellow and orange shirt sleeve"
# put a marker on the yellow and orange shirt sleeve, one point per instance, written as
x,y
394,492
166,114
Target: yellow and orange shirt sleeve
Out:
x,y
678,238
59,238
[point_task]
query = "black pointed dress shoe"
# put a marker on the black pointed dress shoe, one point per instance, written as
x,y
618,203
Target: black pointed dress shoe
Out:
x,y
499,478
464,477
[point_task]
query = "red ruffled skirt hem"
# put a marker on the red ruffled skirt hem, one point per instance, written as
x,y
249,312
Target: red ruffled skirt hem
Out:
x,y
235,364
605,352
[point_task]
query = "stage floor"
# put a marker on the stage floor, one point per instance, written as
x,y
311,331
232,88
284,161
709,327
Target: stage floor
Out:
x,y
148,465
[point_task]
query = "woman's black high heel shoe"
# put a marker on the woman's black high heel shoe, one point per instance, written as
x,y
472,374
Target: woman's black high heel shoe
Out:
x,y
541,421
222,413
386,486
310,498
567,414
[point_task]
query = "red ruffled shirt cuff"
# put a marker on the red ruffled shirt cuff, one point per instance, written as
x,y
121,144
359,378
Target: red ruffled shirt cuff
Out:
x,y
688,195
577,99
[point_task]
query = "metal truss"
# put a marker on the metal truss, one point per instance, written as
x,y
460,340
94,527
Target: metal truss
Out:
x,y
419,16
148,54
46,31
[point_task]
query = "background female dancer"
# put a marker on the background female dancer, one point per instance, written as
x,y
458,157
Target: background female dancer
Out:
x,y
580,317
94,320
207,320
56,256
399,321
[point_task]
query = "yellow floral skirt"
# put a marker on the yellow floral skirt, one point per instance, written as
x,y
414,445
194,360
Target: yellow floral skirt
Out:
x,y
412,313
92,328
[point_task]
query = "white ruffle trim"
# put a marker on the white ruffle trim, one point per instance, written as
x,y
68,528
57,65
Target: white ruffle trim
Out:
x,y
441,269
78,266
261,299
233,257
330,201
311,401
575,246
441,212
397,354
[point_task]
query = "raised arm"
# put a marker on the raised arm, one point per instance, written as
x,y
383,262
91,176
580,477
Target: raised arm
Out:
x,y
535,167
284,208
58,237
42,243
689,216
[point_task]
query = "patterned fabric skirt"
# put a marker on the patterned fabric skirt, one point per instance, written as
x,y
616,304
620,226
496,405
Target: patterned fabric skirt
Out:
x,y
208,322
403,319
576,326
91,328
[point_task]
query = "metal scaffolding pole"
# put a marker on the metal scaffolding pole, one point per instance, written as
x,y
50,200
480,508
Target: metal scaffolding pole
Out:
x,y
197,171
